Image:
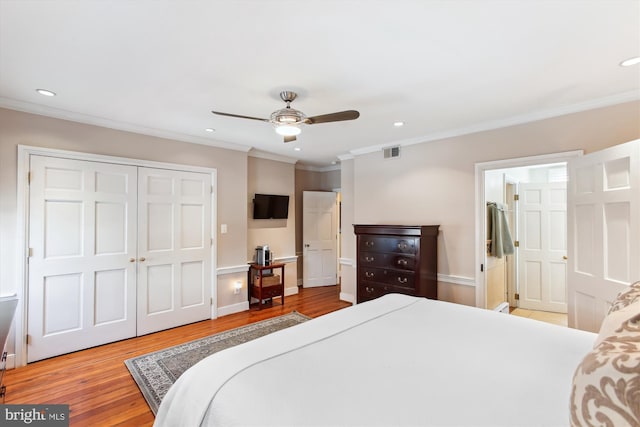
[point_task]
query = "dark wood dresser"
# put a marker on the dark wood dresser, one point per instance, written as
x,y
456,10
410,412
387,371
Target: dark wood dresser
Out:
x,y
396,258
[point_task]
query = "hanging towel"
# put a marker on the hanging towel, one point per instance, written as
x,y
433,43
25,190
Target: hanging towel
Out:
x,y
501,240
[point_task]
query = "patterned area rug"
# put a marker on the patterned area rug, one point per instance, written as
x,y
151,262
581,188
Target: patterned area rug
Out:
x,y
156,372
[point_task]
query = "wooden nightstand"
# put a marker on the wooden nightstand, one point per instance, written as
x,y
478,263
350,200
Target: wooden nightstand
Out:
x,y
263,286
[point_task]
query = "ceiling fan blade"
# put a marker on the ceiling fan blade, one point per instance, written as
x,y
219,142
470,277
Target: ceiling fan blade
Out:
x,y
289,138
239,116
333,117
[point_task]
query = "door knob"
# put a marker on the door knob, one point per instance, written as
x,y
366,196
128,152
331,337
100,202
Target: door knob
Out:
x,y
142,259
132,260
565,257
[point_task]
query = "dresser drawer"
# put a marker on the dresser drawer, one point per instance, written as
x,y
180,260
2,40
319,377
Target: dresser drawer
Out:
x,y
398,278
369,291
389,260
271,291
370,243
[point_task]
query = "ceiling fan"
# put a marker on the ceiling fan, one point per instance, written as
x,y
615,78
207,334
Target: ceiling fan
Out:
x,y
287,120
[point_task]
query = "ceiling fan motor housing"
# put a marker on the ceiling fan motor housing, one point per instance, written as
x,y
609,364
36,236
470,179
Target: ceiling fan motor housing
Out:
x,y
288,96
287,116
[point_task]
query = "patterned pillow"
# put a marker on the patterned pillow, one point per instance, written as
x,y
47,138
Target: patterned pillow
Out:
x,y
606,385
626,297
612,322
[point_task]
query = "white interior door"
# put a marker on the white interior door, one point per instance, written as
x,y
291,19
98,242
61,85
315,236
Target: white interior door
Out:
x,y
319,236
543,248
604,231
174,248
82,265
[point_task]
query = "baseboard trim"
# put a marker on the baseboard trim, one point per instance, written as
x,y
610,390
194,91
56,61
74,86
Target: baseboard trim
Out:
x,y
233,308
293,290
10,363
347,297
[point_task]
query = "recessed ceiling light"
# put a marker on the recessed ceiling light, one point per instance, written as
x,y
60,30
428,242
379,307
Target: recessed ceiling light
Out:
x,y
297,149
398,124
210,130
45,92
631,61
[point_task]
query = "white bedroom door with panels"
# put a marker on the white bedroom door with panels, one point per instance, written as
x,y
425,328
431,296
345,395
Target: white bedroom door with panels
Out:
x,y
604,231
543,249
319,235
174,248
82,270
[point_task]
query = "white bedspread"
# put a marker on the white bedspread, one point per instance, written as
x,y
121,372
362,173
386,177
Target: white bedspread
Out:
x,y
398,361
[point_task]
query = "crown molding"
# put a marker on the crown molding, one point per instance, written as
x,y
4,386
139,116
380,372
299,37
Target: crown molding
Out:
x,y
301,166
41,110
510,121
271,156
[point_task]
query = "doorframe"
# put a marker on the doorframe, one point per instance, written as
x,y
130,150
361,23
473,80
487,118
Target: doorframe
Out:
x,y
512,288
481,211
22,227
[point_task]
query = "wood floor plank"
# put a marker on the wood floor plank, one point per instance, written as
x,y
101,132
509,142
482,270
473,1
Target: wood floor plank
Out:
x,y
96,384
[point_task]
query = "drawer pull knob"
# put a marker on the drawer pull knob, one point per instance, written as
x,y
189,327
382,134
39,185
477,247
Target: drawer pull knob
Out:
x,y
368,289
403,245
369,274
403,262
369,258
402,279
369,243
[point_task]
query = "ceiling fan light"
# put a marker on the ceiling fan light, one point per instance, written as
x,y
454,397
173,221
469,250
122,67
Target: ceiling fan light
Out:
x,y
287,130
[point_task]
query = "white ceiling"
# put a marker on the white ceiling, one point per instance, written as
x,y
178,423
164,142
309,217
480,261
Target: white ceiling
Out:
x,y
444,67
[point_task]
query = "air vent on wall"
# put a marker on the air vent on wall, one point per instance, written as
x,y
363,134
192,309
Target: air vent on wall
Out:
x,y
391,152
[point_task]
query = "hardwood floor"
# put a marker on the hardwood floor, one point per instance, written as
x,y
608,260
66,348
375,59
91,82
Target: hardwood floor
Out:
x,y
97,385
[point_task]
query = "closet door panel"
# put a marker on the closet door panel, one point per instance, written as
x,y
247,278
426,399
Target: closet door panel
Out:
x,y
174,285
82,231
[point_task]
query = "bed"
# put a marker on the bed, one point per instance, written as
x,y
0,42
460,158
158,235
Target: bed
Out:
x,y
397,360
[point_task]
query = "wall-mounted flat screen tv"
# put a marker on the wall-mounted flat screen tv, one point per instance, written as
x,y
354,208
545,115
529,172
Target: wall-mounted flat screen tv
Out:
x,y
270,206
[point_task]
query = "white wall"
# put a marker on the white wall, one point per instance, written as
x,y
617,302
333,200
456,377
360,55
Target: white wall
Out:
x,y
434,182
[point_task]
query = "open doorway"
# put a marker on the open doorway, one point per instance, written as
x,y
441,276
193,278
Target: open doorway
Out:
x,y
531,272
539,255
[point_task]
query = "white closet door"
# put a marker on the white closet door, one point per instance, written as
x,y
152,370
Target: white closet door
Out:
x,y
82,265
174,248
